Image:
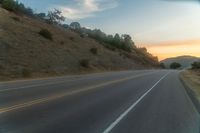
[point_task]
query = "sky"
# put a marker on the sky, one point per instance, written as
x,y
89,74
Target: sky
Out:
x,y
167,28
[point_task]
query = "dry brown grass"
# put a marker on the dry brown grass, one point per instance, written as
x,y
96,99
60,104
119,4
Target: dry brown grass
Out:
x,y
192,79
21,47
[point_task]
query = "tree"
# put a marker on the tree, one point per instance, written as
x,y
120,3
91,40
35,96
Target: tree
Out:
x,y
162,65
127,42
9,5
66,26
16,7
41,15
75,25
55,17
117,40
175,65
195,65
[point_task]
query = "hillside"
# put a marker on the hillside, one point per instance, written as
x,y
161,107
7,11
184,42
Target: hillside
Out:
x,y
185,61
25,53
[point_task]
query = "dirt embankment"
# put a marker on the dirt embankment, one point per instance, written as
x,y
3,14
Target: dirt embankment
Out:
x,y
25,53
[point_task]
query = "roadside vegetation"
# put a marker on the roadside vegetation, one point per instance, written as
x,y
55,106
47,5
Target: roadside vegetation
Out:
x,y
191,78
195,65
175,65
31,38
46,34
123,42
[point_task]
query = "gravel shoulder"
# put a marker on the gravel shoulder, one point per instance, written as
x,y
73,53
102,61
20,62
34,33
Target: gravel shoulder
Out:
x,y
191,80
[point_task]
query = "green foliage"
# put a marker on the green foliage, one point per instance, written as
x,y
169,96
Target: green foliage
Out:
x,y
94,51
26,72
16,7
84,63
72,38
16,19
175,65
123,42
55,17
196,65
162,65
75,25
46,34
10,5
41,15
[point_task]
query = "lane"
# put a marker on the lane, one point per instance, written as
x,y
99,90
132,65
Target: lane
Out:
x,y
21,95
167,109
24,84
86,112
126,112
161,105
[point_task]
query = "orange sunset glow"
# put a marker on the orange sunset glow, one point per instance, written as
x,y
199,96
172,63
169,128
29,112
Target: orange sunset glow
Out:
x,y
175,48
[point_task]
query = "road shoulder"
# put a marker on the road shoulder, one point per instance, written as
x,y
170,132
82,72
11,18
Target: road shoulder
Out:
x,y
191,81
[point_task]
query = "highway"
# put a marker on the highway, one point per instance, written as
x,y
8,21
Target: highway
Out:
x,y
140,101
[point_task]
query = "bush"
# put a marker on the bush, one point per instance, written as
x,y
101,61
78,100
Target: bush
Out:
x,y
10,5
110,47
16,7
196,65
16,19
175,65
82,36
72,38
62,42
94,51
162,65
26,72
46,34
55,17
84,63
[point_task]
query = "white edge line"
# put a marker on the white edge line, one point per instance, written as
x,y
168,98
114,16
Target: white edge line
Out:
x,y
112,125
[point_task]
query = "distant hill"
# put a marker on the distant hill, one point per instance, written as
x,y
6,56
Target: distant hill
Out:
x,y
25,53
185,61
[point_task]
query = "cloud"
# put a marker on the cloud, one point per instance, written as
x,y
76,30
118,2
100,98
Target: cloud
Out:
x,y
86,8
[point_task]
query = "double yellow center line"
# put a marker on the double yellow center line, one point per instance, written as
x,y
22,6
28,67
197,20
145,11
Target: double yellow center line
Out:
x,y
57,96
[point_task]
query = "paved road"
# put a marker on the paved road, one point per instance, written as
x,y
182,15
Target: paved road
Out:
x,y
147,101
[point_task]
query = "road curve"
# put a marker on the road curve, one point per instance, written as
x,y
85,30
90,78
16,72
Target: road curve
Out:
x,y
145,101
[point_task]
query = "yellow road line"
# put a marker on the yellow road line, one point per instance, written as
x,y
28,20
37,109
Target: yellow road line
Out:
x,y
37,85
44,84
57,96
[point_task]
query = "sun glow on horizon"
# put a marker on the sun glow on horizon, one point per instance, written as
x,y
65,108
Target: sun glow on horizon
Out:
x,y
176,48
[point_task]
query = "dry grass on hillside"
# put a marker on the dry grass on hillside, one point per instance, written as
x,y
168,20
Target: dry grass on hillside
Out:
x,y
24,52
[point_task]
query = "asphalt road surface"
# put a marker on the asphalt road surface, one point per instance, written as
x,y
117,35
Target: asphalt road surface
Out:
x,y
146,101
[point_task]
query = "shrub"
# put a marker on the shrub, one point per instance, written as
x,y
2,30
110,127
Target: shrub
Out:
x,y
71,38
82,36
26,72
175,65
196,65
55,17
46,34
162,65
62,42
94,51
110,47
9,5
15,6
84,63
16,19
